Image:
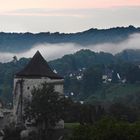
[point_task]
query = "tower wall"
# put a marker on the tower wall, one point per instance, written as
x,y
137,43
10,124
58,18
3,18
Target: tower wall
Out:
x,y
27,86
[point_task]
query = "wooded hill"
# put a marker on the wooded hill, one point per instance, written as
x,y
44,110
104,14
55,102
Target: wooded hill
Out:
x,y
82,71
19,42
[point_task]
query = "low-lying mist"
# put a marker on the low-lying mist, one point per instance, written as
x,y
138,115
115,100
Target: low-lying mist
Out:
x,y
53,51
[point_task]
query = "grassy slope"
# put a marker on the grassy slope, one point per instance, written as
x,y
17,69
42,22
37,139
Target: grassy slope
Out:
x,y
115,92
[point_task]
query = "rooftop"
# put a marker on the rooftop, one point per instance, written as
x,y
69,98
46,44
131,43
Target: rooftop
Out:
x,y
38,67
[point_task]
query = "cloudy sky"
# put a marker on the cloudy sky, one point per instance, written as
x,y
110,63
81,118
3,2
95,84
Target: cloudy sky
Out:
x,y
67,16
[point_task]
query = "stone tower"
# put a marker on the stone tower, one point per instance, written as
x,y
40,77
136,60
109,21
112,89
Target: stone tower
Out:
x,y
33,75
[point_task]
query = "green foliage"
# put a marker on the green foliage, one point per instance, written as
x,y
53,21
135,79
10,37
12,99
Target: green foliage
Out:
x,y
82,133
46,106
83,113
133,74
71,125
81,59
111,93
92,80
107,129
94,63
7,71
121,111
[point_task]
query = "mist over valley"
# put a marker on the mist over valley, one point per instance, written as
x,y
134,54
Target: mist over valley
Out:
x,y
56,45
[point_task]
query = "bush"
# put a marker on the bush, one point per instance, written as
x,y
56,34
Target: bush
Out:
x,y
107,129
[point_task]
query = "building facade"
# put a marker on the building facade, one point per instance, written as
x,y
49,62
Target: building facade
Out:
x,y
33,75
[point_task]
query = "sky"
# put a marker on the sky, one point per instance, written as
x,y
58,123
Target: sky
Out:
x,y
67,16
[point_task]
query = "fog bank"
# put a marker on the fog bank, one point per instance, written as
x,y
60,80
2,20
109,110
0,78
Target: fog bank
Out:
x,y
53,51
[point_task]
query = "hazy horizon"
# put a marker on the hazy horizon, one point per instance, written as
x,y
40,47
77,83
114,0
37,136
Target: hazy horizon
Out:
x,y
64,16
70,32
67,16
57,50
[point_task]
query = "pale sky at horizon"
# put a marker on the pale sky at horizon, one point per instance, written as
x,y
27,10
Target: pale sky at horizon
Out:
x,y
64,16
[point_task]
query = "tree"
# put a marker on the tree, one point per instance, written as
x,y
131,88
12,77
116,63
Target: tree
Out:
x,y
133,74
92,80
121,111
46,107
115,78
107,128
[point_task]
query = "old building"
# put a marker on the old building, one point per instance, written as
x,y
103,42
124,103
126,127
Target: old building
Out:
x,y
33,75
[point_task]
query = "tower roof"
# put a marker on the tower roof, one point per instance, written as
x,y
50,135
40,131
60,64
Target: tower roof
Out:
x,y
38,67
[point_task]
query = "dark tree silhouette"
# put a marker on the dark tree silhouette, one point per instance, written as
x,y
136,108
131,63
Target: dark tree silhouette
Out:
x,y
46,107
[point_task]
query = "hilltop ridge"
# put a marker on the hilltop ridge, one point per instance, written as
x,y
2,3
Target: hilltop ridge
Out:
x,y
19,42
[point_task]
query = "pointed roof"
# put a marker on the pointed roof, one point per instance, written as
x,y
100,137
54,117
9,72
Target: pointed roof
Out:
x,y
38,67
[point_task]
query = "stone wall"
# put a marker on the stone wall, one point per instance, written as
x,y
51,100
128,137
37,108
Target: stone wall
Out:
x,y
28,84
